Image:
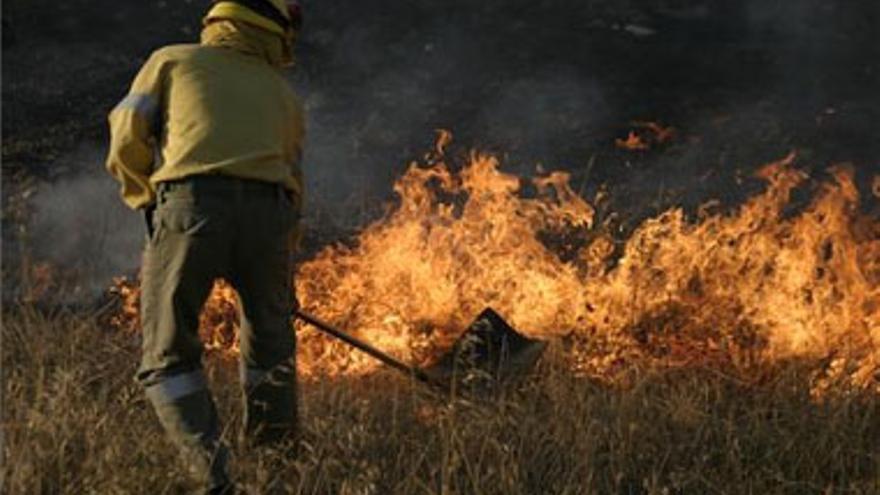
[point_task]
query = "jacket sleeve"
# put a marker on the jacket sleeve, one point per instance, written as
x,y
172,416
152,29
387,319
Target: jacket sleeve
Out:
x,y
135,124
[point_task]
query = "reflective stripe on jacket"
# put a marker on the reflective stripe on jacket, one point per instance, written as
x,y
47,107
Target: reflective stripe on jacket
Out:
x,y
222,107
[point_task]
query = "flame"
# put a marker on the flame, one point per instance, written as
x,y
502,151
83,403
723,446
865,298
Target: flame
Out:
x,y
647,135
444,139
759,285
660,134
633,142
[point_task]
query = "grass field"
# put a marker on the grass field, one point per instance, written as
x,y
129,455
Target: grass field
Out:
x,y
75,422
546,84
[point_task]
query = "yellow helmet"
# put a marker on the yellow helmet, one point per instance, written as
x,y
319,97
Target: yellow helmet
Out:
x,y
278,16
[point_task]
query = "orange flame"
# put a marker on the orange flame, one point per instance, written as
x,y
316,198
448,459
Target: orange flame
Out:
x,y
647,135
761,284
632,142
660,134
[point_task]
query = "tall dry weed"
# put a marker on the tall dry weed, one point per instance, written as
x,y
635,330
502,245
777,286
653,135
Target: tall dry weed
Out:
x,y
75,422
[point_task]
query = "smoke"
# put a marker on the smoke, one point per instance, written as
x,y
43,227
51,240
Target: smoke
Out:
x,y
352,154
536,117
537,82
554,83
375,94
81,227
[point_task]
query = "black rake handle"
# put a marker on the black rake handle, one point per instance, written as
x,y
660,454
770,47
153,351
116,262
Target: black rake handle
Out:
x,y
329,329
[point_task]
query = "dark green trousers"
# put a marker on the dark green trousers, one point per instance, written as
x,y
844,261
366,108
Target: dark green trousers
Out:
x,y
204,228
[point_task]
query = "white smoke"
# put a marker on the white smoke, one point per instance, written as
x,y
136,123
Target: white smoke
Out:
x,y
81,226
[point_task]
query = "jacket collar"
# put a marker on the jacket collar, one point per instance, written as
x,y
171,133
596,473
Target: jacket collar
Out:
x,y
246,39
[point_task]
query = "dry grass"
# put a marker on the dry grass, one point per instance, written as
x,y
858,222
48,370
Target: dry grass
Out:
x,y
74,422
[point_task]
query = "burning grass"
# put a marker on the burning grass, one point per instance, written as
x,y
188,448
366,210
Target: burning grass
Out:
x,y
75,422
737,291
723,352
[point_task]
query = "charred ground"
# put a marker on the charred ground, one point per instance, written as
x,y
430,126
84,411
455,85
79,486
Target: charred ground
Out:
x,y
552,82
540,83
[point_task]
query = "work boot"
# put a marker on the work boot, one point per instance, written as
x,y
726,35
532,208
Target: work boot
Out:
x,y
270,424
186,410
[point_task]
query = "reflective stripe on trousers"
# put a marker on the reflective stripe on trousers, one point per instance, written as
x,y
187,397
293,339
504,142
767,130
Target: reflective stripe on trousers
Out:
x,y
252,377
175,387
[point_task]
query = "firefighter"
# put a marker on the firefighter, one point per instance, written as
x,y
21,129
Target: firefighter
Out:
x,y
208,144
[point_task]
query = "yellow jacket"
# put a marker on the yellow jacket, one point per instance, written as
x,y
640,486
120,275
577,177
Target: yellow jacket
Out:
x,y
221,107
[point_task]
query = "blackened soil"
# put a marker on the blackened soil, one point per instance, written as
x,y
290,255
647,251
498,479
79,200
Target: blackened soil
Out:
x,y
551,81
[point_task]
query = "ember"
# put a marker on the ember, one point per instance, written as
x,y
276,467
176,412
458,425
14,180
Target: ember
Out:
x,y
632,142
727,290
646,136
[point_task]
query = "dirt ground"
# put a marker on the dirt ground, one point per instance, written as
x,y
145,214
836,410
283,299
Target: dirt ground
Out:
x,y
767,79
549,82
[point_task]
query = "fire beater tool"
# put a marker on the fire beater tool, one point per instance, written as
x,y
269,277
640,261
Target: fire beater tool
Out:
x,y
490,351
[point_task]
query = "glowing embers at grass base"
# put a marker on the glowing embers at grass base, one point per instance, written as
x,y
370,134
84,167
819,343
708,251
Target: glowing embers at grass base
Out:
x,y
646,135
738,292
